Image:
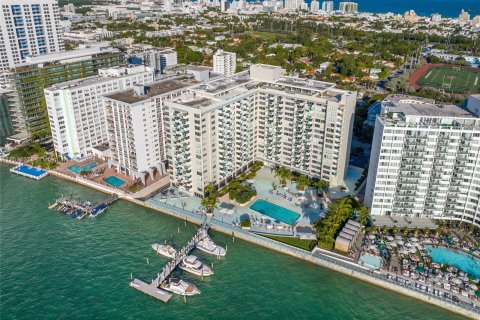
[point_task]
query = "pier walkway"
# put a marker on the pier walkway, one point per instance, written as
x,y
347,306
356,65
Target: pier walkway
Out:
x,y
152,288
84,208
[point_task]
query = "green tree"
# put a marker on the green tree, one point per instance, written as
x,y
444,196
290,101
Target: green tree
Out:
x,y
283,174
301,182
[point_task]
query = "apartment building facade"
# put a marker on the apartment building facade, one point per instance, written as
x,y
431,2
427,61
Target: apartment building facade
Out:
x,y
224,62
76,112
425,161
135,125
27,28
27,105
159,59
219,128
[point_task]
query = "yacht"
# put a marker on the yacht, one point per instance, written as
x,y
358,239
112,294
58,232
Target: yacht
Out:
x,y
193,265
165,250
180,287
207,245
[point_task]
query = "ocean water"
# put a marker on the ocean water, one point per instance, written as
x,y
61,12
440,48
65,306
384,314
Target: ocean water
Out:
x,y
55,267
447,8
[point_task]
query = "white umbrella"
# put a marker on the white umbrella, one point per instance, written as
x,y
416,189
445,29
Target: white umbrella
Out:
x,y
392,244
280,227
372,237
413,239
401,242
473,287
269,227
390,238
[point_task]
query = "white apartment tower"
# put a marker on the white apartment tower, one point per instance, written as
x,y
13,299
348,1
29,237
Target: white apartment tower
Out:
x,y
219,128
135,124
425,161
348,7
315,6
76,112
159,59
224,62
327,6
27,28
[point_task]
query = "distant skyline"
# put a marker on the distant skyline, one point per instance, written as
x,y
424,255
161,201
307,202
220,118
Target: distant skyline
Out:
x,y
447,8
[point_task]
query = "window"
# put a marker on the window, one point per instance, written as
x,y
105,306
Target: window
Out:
x,y
39,31
35,8
18,21
20,32
22,43
16,10
37,20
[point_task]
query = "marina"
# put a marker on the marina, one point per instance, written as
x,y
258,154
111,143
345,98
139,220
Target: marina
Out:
x,y
81,209
184,261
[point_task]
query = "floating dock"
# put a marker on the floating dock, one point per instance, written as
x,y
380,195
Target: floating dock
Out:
x,y
81,209
152,289
29,171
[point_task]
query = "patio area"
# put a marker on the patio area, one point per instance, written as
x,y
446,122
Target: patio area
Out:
x,y
307,205
97,171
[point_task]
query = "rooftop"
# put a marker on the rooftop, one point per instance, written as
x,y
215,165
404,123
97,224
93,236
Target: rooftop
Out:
x,y
306,83
66,55
429,110
154,89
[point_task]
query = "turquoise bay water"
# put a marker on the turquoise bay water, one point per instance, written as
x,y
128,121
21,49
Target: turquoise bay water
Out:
x,y
461,260
276,212
55,267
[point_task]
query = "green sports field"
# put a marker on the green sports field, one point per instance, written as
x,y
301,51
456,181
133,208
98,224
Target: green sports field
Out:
x,y
451,79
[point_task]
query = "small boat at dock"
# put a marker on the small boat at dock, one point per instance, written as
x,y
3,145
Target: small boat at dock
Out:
x,y
178,286
207,245
193,265
165,250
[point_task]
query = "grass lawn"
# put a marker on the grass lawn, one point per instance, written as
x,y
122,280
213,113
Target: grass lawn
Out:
x,y
451,79
293,241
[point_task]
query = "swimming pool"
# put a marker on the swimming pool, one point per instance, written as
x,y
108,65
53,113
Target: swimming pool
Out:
x,y
77,169
370,261
458,259
275,212
114,181
28,171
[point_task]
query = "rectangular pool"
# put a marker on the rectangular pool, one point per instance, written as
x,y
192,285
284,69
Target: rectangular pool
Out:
x,y
275,212
28,171
114,181
77,169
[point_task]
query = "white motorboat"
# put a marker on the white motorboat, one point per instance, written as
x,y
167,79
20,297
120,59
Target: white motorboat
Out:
x,y
193,265
164,249
180,287
207,245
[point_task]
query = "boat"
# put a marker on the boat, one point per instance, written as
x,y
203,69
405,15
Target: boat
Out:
x,y
165,250
193,265
180,287
207,245
98,210
77,213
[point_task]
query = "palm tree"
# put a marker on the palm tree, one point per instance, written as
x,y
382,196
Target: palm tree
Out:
x,y
395,229
283,174
426,231
321,185
405,231
274,185
384,229
362,215
302,182
209,203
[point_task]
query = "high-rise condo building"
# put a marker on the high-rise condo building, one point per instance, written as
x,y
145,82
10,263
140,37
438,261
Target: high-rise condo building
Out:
x,y
348,7
6,127
159,59
425,161
27,28
210,132
327,6
224,62
27,104
136,126
76,112
314,6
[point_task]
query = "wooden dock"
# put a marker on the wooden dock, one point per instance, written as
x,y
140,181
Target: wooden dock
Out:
x,y
152,289
81,208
